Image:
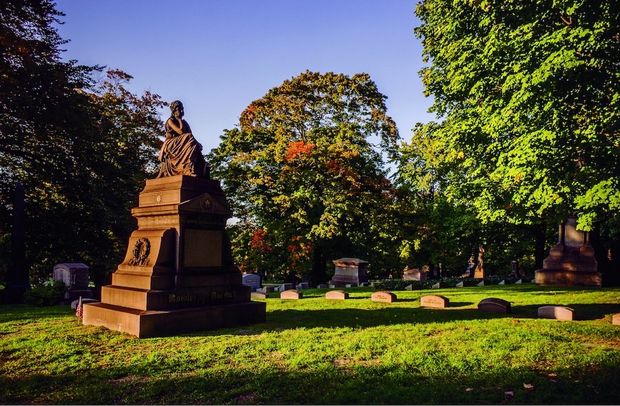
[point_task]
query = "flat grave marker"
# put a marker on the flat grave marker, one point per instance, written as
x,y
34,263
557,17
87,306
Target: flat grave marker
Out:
x,y
336,295
436,301
494,305
556,312
383,296
615,319
291,294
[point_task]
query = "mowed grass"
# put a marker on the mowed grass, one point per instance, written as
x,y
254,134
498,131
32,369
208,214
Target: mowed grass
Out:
x,y
319,351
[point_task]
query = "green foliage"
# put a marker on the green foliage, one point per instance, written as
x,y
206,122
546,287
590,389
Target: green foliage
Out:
x,y
304,178
528,96
50,293
81,150
319,351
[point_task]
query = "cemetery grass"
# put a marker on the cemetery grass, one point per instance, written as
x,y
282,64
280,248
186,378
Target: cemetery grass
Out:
x,y
319,351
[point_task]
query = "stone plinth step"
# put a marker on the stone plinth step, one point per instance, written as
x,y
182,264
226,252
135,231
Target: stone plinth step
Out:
x,y
155,323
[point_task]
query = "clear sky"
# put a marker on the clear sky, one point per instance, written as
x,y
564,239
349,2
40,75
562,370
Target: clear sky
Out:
x,y
217,56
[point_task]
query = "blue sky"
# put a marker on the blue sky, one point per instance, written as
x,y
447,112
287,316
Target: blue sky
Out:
x,y
217,56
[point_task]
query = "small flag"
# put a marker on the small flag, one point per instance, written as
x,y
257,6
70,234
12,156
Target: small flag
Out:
x,y
78,309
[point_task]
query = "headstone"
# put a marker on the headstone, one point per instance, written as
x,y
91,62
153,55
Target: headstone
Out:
x,y
436,286
494,305
17,277
409,287
556,312
322,286
336,295
503,282
571,261
75,278
460,284
481,283
348,285
435,301
519,282
303,285
252,280
383,296
258,295
349,271
84,301
414,274
615,319
291,294
266,289
331,286
285,286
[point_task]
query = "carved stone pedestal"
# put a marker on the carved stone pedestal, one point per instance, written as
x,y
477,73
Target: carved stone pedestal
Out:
x,y
178,275
571,261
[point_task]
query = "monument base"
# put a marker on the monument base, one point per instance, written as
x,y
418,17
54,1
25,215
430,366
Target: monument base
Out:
x,y
156,323
565,277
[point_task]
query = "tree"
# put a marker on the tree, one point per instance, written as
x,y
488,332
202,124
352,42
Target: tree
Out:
x,y
80,149
528,96
303,175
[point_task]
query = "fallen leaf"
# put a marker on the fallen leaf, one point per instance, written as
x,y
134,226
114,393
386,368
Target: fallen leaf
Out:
x,y
528,386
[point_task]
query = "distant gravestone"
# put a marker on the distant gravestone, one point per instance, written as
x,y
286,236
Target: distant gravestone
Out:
x,y
331,286
75,277
285,286
520,281
556,312
84,301
414,274
322,286
481,283
460,284
349,271
503,282
291,294
266,289
436,301
494,305
336,295
615,319
409,287
383,296
303,285
436,286
252,280
259,295
348,285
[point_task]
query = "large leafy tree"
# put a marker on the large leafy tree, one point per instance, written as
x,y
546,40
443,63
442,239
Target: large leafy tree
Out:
x,y
304,177
528,94
81,150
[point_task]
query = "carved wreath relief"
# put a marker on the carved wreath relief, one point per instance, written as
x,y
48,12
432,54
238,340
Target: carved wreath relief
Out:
x,y
141,251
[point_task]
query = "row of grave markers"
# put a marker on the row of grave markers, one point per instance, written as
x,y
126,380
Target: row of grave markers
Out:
x,y
491,304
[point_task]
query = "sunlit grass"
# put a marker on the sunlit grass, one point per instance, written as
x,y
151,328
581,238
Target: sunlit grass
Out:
x,y
319,351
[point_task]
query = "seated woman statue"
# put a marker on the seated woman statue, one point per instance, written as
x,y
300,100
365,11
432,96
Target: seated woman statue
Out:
x,y
181,154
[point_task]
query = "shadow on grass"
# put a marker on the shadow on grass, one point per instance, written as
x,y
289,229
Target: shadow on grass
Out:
x,y
338,381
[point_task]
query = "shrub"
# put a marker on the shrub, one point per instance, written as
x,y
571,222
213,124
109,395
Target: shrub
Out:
x,y
49,293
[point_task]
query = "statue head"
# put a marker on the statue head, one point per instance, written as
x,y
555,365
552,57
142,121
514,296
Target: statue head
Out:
x,y
176,107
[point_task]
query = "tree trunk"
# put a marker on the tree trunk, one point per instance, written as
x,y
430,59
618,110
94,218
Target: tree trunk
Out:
x,y
539,247
319,271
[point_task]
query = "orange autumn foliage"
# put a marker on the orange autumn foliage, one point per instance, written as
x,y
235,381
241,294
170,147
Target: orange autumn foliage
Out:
x,y
297,148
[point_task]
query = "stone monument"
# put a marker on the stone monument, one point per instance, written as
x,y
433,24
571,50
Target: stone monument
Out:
x,y
349,271
178,274
414,274
571,261
75,277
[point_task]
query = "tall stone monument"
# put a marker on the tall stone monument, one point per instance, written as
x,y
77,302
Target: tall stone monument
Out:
x,y
571,261
349,271
178,274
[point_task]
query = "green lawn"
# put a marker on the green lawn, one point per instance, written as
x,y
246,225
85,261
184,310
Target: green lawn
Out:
x,y
319,351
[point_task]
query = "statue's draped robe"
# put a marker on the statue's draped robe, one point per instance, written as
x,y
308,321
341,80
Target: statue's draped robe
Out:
x,y
181,154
